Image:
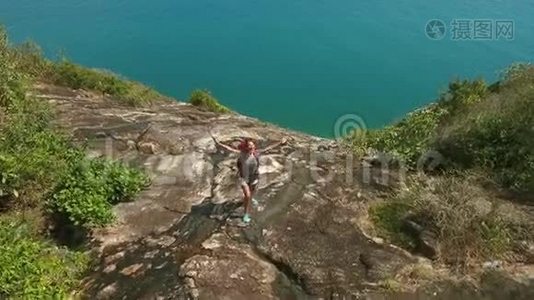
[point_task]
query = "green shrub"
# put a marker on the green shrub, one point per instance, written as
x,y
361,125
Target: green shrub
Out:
x,y
496,133
29,146
81,198
11,81
26,167
414,135
32,268
29,60
408,139
462,94
123,183
86,194
37,162
83,189
205,100
471,128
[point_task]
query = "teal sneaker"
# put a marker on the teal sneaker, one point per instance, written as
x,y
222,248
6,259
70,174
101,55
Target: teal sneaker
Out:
x,y
246,218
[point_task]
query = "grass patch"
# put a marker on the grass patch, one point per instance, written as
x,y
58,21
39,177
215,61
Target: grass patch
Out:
x,y
30,62
205,100
390,285
485,135
388,217
466,219
66,73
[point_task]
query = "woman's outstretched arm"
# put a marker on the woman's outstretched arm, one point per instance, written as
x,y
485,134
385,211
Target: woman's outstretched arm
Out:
x,y
224,146
271,147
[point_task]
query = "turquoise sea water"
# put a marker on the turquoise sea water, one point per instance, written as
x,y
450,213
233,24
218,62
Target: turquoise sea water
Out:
x,y
297,63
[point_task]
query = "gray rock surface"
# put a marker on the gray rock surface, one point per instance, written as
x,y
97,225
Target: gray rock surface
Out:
x,y
182,238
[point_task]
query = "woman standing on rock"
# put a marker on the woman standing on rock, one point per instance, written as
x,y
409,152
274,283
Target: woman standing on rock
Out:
x,y
248,166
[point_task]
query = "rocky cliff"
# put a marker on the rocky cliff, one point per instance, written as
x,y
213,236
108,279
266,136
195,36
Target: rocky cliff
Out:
x,y
182,237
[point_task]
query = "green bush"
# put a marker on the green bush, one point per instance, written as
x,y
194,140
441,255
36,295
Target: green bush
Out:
x,y
86,194
29,60
123,183
470,127
39,163
205,100
11,81
29,145
462,94
414,135
35,269
496,133
408,139
26,166
26,145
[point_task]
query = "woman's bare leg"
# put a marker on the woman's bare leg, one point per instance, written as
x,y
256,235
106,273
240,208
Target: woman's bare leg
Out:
x,y
247,196
252,193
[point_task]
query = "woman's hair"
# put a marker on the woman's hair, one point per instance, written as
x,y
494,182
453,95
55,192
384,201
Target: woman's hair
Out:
x,y
243,146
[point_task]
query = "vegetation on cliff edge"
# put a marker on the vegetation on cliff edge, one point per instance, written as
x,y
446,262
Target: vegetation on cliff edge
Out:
x,y
204,99
473,128
470,126
31,62
46,179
